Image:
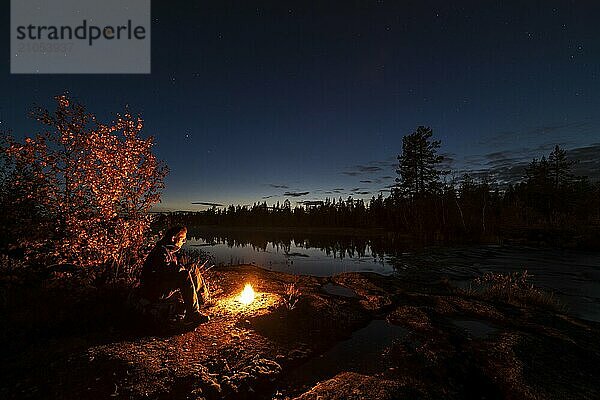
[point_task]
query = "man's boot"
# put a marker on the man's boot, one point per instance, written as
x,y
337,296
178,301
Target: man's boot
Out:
x,y
195,318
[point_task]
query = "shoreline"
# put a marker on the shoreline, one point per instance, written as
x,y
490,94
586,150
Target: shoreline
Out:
x,y
449,336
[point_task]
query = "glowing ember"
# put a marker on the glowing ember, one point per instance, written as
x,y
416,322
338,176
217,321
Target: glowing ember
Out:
x,y
247,295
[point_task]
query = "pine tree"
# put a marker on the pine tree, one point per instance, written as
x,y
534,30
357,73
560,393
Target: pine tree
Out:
x,y
418,162
559,168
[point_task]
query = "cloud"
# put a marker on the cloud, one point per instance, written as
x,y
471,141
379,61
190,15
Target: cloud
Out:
x,y
499,155
447,157
360,191
203,203
508,166
587,161
391,161
295,194
369,168
367,181
278,186
545,129
311,202
503,166
557,131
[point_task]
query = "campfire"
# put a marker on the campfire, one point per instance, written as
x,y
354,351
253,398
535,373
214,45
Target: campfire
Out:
x,y
247,302
247,295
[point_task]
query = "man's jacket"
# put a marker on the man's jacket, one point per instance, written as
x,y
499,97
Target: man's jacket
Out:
x,y
162,258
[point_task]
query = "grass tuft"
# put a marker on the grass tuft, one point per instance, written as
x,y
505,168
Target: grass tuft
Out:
x,y
513,288
291,295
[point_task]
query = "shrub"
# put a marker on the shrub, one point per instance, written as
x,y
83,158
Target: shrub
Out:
x,y
513,288
81,189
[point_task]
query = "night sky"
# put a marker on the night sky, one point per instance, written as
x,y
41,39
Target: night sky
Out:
x,y
267,102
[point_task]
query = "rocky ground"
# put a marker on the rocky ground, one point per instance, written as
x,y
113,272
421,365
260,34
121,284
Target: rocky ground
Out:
x,y
447,344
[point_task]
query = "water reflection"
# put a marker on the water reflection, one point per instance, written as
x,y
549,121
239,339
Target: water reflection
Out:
x,y
302,257
574,276
338,245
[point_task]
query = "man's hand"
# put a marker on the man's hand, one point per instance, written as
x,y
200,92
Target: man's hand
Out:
x,y
195,267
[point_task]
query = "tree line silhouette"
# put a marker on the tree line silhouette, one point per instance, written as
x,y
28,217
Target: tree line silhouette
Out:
x,y
81,192
550,203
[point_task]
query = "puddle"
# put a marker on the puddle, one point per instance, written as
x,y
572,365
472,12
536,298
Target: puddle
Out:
x,y
362,353
338,290
475,329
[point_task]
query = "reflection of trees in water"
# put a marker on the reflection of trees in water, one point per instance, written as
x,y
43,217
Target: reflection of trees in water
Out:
x,y
338,246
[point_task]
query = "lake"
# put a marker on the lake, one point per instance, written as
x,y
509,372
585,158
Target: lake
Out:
x,y
573,276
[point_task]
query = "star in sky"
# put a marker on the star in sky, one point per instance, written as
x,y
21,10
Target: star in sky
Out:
x,y
305,92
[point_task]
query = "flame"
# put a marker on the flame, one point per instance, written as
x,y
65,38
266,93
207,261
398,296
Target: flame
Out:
x,y
247,295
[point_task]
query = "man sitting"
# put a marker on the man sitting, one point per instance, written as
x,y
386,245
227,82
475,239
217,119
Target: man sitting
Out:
x,y
162,276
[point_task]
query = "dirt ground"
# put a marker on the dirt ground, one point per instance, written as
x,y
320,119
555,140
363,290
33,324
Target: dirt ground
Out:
x,y
455,345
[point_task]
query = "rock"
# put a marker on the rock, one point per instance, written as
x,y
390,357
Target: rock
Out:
x,y
411,317
248,352
353,386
